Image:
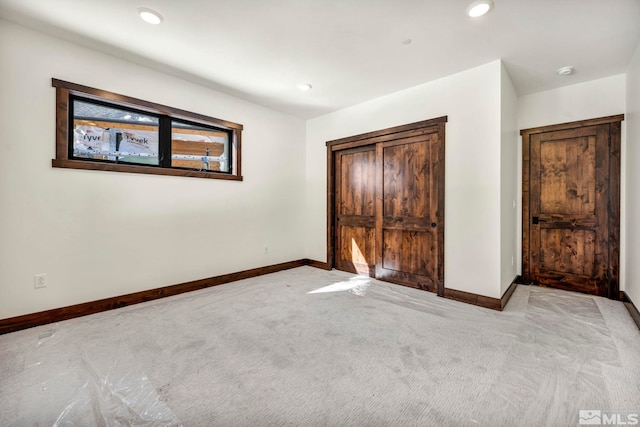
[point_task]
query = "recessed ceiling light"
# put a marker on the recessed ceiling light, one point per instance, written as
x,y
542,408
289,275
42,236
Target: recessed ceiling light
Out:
x,y
479,8
565,71
150,16
304,87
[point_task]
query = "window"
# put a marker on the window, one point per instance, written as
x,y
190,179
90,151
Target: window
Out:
x,y
199,147
101,132
105,131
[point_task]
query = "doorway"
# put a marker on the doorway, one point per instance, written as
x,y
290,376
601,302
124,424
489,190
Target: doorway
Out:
x,y
386,204
571,206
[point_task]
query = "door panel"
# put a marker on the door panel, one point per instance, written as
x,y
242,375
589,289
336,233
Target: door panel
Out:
x,y
568,251
569,214
405,179
407,227
407,251
357,249
355,210
567,176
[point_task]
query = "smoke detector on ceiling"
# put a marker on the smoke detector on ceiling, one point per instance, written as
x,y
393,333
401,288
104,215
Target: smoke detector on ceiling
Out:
x,y
565,71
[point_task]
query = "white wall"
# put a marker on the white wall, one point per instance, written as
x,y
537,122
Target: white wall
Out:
x,y
508,180
597,98
632,254
471,100
102,234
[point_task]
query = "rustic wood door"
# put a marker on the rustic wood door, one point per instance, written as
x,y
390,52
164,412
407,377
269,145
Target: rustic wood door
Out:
x,y
406,232
573,207
356,209
386,204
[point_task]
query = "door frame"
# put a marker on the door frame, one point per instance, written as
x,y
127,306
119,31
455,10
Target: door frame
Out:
x,y
614,123
371,138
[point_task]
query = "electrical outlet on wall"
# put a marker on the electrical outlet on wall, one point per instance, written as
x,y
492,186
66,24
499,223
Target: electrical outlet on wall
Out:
x,y
40,281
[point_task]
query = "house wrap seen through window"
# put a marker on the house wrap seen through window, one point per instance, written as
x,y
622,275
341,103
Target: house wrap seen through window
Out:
x,y
105,131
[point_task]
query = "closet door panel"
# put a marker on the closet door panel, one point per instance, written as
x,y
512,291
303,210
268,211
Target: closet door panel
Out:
x,y
355,210
407,225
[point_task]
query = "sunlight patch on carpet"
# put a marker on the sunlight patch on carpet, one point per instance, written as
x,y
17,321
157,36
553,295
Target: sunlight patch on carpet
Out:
x,y
357,285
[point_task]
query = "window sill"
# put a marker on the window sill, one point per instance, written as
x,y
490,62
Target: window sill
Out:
x,y
79,164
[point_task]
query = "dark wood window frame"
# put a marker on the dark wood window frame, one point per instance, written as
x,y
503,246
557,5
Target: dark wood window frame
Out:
x,y
65,91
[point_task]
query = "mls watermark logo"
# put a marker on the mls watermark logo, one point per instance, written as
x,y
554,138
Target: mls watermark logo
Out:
x,y
596,417
590,417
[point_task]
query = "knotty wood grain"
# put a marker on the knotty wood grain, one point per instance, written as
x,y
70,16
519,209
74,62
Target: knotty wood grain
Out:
x,y
571,179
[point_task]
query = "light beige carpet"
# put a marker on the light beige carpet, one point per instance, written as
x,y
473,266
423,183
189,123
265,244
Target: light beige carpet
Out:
x,y
310,347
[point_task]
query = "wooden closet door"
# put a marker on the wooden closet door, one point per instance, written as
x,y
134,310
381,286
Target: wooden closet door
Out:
x,y
355,209
571,205
409,208
385,204
569,209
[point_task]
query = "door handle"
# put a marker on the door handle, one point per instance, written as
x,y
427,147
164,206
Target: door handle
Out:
x,y
536,220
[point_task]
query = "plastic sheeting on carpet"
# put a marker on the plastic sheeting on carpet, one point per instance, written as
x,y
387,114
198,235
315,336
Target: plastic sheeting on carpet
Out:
x,y
71,382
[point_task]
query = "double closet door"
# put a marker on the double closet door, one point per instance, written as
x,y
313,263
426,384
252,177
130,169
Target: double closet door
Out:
x,y
386,204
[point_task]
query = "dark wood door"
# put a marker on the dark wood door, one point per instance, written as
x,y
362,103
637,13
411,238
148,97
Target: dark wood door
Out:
x,y
573,218
386,204
406,231
355,210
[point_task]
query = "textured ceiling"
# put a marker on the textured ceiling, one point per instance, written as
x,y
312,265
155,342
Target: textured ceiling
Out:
x,y
349,50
